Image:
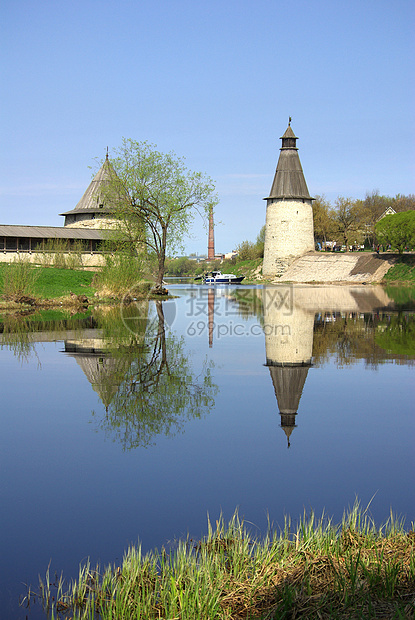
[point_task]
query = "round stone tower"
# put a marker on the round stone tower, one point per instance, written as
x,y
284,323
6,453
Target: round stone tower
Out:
x,y
289,222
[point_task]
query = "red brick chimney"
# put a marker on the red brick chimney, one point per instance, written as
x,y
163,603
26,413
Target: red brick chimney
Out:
x,y
211,239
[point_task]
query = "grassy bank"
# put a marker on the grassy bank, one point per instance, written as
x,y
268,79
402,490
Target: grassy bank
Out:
x,y
403,271
50,282
317,570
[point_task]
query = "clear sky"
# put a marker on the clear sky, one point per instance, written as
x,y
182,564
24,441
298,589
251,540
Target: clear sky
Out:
x,y
213,81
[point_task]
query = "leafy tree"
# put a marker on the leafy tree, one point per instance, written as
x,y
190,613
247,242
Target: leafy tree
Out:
x,y
369,211
181,266
398,230
260,241
346,219
247,250
403,203
159,199
322,219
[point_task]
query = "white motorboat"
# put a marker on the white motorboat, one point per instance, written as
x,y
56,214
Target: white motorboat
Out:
x,y
217,277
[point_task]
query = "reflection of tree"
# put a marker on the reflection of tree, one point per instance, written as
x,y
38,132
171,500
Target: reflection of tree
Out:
x,y
397,335
248,303
376,338
18,330
159,391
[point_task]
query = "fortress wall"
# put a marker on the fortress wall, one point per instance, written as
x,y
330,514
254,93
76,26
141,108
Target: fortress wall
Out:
x,y
88,259
337,267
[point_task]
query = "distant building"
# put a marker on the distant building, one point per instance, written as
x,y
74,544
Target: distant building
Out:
x,y
230,255
388,211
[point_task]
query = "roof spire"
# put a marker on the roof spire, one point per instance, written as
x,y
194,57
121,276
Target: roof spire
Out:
x,y
107,155
289,121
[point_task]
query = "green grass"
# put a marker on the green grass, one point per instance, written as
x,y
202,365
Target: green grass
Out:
x,y
245,268
315,570
51,282
403,270
54,282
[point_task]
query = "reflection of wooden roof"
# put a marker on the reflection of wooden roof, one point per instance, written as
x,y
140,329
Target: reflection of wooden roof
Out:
x,y
288,382
104,372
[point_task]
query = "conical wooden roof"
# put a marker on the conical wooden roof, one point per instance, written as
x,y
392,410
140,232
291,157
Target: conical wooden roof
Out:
x,y
289,181
94,198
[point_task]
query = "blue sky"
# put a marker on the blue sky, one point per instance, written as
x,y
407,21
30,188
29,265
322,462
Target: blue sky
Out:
x,y
215,82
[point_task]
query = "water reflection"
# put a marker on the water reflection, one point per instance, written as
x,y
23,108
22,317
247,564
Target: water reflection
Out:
x,y
143,375
152,380
289,348
306,326
159,391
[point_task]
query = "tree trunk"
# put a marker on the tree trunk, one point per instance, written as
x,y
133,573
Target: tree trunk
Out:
x,y
161,256
159,288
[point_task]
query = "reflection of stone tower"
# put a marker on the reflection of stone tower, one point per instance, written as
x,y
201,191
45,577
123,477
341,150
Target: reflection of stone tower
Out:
x,y
288,346
211,239
289,221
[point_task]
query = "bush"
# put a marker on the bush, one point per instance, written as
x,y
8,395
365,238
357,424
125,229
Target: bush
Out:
x,y
120,274
398,230
57,253
181,266
19,279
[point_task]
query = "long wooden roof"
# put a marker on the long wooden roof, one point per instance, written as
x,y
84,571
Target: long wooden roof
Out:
x,y
51,232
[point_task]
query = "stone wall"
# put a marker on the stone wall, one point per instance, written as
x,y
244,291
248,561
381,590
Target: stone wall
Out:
x,y
89,259
101,223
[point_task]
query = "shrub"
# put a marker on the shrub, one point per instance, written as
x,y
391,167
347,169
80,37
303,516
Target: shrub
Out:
x,y
120,274
57,253
19,279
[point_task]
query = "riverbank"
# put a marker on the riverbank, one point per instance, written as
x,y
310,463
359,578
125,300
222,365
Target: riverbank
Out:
x,y
51,287
54,287
316,570
333,268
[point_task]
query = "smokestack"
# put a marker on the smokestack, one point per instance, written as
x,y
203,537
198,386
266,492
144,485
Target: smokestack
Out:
x,y
211,240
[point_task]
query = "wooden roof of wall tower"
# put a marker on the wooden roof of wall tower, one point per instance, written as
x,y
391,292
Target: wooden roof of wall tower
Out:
x,y
93,200
289,181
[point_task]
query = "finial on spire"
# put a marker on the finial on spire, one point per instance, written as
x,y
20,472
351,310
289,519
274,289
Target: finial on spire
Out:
x,y
289,121
107,155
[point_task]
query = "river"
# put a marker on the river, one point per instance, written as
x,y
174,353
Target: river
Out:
x,y
137,423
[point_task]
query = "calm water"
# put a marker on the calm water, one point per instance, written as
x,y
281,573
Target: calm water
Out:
x,y
135,425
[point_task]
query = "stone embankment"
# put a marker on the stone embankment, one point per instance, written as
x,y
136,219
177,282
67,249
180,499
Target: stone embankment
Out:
x,y
338,268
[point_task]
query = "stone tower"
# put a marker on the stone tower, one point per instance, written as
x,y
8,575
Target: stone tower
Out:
x,y
289,222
